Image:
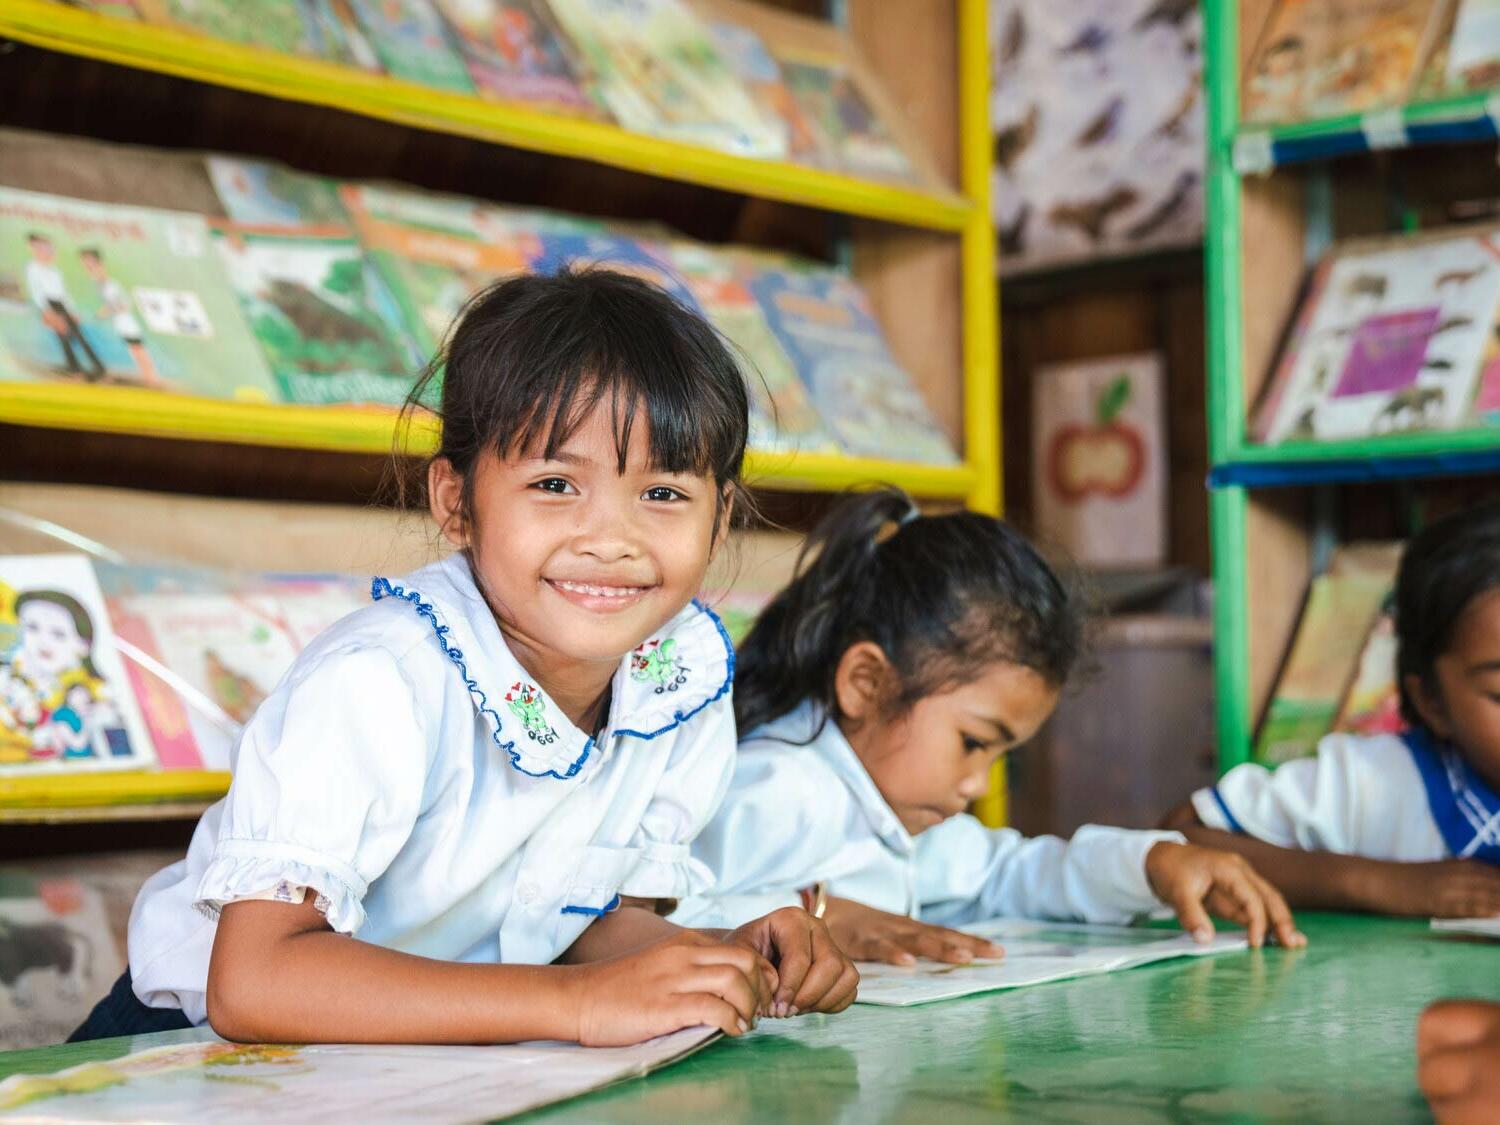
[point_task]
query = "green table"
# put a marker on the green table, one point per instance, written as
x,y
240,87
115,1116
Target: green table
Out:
x,y
1320,1035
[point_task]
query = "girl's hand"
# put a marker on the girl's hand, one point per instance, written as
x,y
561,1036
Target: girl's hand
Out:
x,y
867,934
1458,1060
1195,881
1449,888
813,975
687,980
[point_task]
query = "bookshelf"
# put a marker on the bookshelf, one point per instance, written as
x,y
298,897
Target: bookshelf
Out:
x,y
924,253
1276,198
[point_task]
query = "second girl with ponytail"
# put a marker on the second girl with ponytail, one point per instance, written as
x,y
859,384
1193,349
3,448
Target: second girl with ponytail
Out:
x,y
873,697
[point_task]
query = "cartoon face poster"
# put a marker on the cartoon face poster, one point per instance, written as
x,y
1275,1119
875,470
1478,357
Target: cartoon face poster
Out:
x,y
65,704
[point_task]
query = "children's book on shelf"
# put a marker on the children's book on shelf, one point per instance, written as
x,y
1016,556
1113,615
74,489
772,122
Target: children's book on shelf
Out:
x,y
120,9
655,66
1341,607
95,293
851,131
263,191
1035,953
1098,459
412,42
782,416
318,29
1392,336
515,52
757,69
1372,705
1098,122
58,955
208,1079
1322,58
65,702
579,249
823,321
1465,54
329,328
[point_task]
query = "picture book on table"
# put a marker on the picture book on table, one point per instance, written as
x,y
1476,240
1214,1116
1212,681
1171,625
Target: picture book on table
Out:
x,y
412,42
1098,123
1372,705
96,293
823,321
57,957
514,51
329,328
1322,58
319,29
1392,336
655,66
65,703
849,129
201,661
262,191
1099,479
1341,607
782,416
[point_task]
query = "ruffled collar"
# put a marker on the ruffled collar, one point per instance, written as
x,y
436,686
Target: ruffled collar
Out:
x,y
1465,808
660,686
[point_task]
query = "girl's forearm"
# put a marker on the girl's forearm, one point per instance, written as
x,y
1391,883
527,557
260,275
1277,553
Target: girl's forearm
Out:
x,y
271,981
633,926
1310,880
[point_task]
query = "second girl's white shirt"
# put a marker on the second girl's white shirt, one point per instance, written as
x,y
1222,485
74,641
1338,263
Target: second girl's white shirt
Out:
x,y
390,773
802,809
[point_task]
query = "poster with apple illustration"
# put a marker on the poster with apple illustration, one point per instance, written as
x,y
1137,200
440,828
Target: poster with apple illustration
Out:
x,y
1098,460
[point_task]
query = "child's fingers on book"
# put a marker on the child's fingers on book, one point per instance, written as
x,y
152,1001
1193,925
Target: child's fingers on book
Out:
x,y
795,955
828,968
1279,915
702,1009
727,983
1187,905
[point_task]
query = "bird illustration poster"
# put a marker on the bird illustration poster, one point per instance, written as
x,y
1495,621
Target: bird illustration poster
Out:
x,y
328,325
1392,336
1099,460
1098,129
109,294
65,703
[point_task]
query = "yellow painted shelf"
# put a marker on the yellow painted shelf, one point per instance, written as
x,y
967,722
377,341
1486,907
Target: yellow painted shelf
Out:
x,y
151,793
518,125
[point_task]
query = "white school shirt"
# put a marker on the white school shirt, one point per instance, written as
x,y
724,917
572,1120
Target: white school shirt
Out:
x,y
1361,795
44,284
407,771
800,812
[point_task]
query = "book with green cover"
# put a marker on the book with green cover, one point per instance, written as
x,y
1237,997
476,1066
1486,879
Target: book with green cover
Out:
x,y
515,52
103,293
319,29
412,42
324,320
265,192
655,66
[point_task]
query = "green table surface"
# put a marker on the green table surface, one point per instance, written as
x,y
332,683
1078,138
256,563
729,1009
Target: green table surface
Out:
x,y
1323,1034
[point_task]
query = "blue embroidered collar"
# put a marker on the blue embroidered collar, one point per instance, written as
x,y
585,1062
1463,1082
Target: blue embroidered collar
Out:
x,y
658,687
1465,808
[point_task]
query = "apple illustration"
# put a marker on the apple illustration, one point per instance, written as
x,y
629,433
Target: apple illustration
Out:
x,y
1107,458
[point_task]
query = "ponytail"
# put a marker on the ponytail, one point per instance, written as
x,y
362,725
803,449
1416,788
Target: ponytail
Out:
x,y
943,596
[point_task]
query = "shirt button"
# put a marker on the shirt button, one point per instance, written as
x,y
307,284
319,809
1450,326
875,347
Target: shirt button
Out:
x,y
526,892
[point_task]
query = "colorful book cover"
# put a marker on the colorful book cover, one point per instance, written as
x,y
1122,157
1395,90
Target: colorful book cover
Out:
x,y
1372,704
319,29
212,657
435,252
100,293
1393,339
264,192
824,322
59,958
1099,476
655,66
1473,54
413,43
515,52
755,66
1342,604
560,250
782,416
849,127
329,329
65,702
1322,58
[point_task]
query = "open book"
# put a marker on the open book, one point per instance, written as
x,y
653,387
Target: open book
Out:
x,y
1035,953
1482,927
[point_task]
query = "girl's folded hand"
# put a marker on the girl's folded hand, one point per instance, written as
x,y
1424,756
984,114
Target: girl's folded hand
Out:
x,y
1195,881
812,973
867,934
687,980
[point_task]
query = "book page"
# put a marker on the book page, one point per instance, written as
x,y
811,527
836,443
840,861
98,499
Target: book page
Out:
x,y
1482,927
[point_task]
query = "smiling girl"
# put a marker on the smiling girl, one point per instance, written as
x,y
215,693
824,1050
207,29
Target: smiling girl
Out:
x,y
461,814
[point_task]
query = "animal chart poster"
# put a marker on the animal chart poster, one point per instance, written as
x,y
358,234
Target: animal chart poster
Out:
x,y
57,958
1098,128
1099,460
65,704
1392,337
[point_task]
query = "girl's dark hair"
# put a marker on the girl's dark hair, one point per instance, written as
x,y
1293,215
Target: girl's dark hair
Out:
x,y
943,596
1443,569
70,605
530,357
